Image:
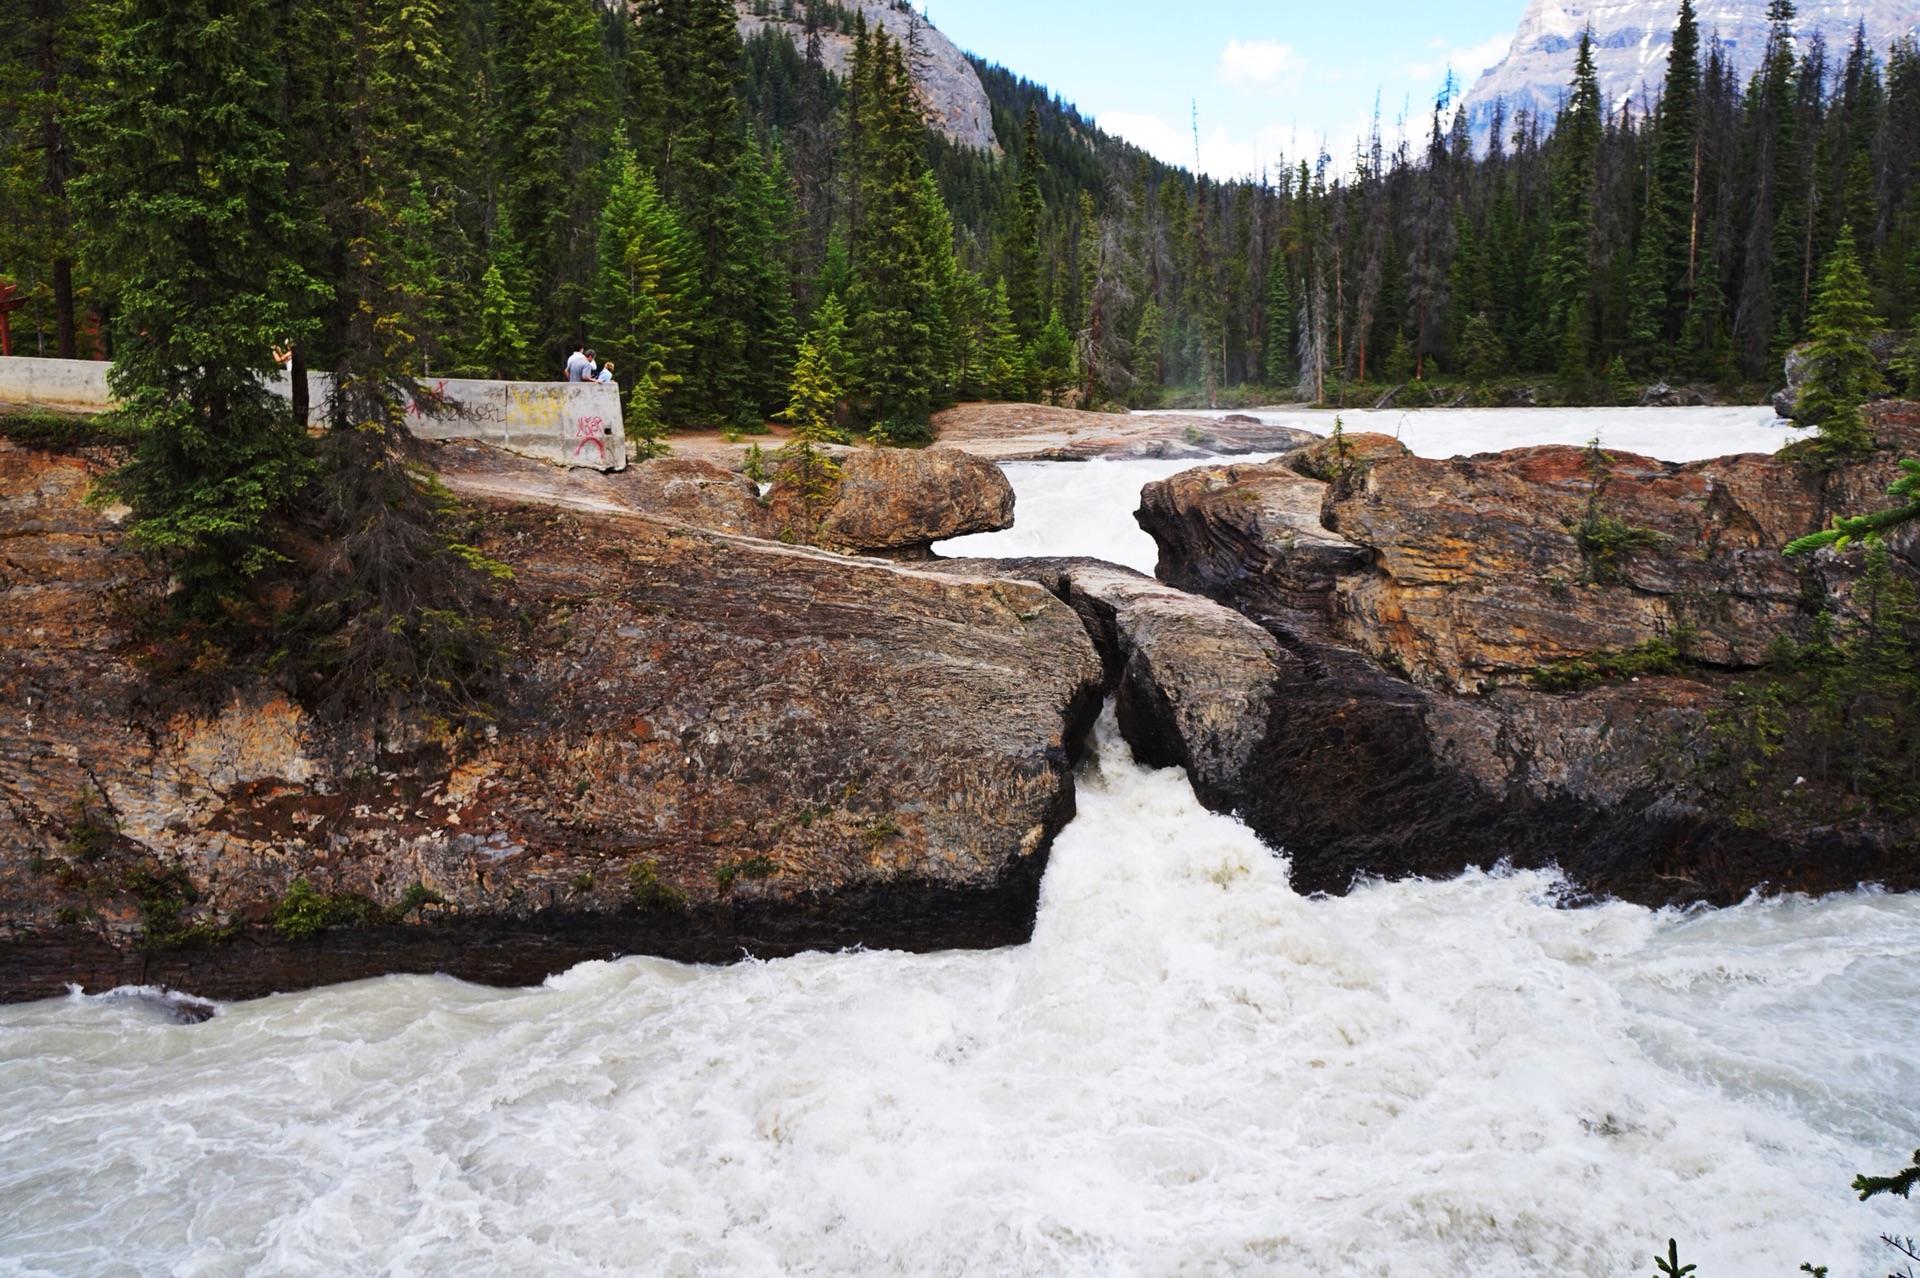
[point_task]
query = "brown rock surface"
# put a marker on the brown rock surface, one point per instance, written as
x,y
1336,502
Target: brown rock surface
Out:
x,y
1480,569
1471,573
806,750
889,502
899,502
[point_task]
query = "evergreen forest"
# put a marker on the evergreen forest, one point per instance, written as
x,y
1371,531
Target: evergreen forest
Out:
x,y
638,177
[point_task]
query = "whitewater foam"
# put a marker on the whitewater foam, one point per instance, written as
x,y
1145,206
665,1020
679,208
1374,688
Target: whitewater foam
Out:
x,y
1191,1069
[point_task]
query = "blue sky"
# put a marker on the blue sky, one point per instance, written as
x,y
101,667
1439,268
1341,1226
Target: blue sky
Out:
x,y
1268,77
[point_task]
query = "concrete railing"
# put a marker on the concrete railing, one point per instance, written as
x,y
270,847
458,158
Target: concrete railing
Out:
x,y
566,423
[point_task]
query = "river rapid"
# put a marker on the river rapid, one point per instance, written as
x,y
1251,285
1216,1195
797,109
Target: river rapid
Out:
x,y
1191,1070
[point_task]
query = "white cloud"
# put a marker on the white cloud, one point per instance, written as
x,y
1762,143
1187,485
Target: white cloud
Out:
x,y
1467,63
1262,62
1222,155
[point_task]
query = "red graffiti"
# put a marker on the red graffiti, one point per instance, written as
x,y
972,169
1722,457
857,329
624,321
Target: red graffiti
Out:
x,y
587,431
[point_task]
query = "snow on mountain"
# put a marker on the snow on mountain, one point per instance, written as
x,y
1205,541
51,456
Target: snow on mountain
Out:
x,y
955,99
1631,39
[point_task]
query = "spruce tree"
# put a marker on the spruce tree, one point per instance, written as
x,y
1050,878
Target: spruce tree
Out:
x,y
48,61
897,325
1050,355
1279,362
692,48
641,309
1841,371
186,197
401,599
803,465
1000,349
1023,233
1572,174
500,337
1663,261
553,132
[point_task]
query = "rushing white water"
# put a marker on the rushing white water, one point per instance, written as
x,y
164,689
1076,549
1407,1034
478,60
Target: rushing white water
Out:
x,y
1671,434
1086,508
1191,1070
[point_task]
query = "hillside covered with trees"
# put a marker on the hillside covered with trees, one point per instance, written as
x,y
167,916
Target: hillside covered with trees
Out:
x,y
687,202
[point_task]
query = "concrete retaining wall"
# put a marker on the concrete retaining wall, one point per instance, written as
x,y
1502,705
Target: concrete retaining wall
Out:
x,y
63,385
566,423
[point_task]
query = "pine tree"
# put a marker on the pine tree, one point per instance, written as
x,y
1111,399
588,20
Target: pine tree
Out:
x,y
500,340
553,131
641,309
1279,362
1000,349
1841,371
1149,339
1051,357
187,202
715,186
1481,350
402,601
1664,259
897,325
48,57
803,465
1023,233
1569,265
646,428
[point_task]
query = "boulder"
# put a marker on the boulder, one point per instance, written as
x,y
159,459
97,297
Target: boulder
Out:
x,y
706,746
898,502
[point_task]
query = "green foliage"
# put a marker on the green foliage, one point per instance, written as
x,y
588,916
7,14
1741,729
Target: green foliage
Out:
x,y
1841,370
304,911
1669,1266
901,245
1606,542
1832,730
646,429
1051,358
61,432
500,344
754,867
186,197
641,309
1846,528
650,893
555,105
1901,1182
1653,658
1482,351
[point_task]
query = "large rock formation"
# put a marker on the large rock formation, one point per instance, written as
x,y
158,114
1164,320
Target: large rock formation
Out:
x,y
1409,599
950,88
708,745
890,502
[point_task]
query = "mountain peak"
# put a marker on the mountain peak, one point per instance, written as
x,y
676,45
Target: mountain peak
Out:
x,y
1631,39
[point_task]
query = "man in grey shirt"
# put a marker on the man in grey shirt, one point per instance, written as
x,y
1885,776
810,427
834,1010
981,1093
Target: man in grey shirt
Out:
x,y
578,364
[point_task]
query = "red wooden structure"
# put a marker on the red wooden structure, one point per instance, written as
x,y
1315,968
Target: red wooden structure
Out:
x,y
10,301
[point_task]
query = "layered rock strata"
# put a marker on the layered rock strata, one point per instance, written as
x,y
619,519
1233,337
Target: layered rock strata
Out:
x,y
708,746
890,502
1403,736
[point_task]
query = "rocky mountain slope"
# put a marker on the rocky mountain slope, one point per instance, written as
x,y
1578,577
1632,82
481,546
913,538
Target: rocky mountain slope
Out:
x,y
948,84
1631,39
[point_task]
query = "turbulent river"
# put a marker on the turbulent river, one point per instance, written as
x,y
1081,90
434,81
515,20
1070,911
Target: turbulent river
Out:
x,y
1192,1069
